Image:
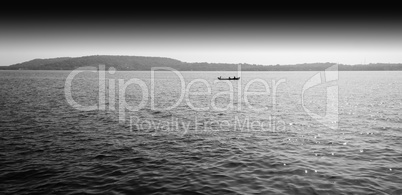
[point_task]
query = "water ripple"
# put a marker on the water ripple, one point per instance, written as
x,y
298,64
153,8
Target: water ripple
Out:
x,y
48,147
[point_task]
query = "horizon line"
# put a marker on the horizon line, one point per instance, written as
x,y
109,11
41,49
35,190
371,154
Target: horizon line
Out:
x,y
246,63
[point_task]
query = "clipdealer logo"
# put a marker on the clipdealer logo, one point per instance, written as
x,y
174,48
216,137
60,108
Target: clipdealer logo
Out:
x,y
329,76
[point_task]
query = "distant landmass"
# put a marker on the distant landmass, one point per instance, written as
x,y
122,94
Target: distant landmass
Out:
x,y
146,63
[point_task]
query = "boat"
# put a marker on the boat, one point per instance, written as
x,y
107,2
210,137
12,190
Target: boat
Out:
x,y
230,78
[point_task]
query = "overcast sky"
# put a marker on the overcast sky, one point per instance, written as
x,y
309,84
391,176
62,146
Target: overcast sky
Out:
x,y
265,39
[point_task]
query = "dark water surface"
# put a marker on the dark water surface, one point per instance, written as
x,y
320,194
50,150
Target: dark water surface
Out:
x,y
262,145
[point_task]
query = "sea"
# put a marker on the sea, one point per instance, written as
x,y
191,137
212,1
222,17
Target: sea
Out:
x,y
97,131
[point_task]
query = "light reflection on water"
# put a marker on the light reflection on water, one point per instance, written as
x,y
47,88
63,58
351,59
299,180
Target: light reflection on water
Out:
x,y
47,146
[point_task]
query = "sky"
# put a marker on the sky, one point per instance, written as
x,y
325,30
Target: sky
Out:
x,y
265,37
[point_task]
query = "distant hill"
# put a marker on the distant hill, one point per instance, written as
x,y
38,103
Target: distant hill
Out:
x,y
118,62
146,63
37,63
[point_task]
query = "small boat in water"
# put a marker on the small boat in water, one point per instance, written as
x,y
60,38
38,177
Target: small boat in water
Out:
x,y
230,78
